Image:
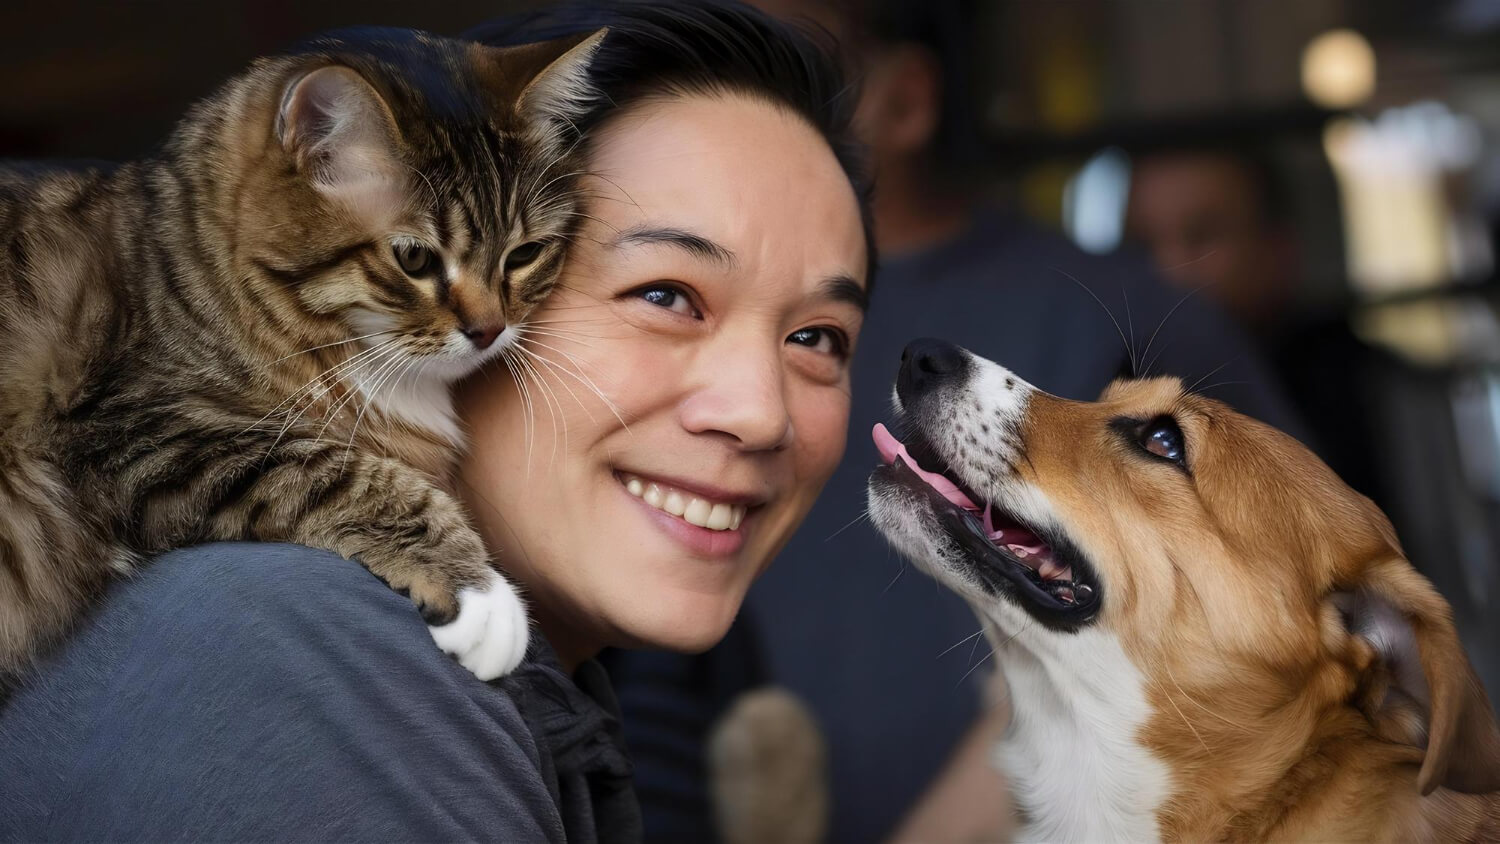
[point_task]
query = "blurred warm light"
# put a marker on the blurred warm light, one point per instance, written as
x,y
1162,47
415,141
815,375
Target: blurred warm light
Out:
x,y
1395,216
1068,87
1338,69
1432,332
1402,230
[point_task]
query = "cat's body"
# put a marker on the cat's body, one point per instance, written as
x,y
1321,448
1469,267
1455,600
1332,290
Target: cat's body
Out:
x,y
250,335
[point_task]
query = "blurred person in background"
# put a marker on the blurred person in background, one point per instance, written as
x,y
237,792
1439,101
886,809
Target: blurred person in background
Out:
x,y
891,665
1216,218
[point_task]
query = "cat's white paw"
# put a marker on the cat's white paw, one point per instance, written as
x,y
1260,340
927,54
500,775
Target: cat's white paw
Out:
x,y
490,634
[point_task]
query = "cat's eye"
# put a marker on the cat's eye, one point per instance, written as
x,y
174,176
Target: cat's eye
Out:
x,y
523,254
414,259
821,339
1163,438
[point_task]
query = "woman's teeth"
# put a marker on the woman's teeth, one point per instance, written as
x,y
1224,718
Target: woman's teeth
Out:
x,y
691,509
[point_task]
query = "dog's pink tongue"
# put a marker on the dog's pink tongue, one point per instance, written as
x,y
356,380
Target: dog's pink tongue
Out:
x,y
890,448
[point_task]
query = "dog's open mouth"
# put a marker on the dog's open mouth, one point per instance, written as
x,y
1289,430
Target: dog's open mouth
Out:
x,y
1036,565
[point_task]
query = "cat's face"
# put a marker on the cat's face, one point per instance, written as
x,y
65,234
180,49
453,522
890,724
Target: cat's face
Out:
x,y
425,198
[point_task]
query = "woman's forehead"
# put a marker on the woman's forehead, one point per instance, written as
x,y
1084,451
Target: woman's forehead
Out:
x,y
744,174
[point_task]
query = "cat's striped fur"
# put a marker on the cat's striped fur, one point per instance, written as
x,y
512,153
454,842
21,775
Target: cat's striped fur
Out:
x,y
249,335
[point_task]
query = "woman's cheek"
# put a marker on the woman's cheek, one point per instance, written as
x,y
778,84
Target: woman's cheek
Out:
x,y
823,414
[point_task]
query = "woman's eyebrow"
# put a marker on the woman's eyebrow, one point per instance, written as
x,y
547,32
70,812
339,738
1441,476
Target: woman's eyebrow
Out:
x,y
843,288
839,288
696,244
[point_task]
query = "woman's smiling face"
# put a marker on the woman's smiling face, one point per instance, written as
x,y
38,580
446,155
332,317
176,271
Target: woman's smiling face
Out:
x,y
688,391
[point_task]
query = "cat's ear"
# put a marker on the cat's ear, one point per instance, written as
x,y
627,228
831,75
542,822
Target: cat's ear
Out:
x,y
1418,686
557,89
342,138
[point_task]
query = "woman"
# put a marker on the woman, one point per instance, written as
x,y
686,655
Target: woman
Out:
x,y
686,399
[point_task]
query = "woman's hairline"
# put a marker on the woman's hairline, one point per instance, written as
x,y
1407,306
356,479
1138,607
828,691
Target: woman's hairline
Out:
x,y
676,91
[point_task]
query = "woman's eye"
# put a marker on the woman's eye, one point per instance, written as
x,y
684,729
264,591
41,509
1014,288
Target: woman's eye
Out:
x,y
1163,438
670,298
825,340
414,259
523,255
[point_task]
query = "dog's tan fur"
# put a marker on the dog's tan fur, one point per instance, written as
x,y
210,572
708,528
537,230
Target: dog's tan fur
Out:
x,y
1223,582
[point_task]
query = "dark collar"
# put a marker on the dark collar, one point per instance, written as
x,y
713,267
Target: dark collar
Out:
x,y
576,724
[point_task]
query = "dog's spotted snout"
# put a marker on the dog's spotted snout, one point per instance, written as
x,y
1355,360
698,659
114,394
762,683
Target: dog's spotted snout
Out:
x,y
926,363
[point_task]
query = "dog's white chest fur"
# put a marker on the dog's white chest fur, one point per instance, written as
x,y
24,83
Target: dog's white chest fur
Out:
x,y
1071,753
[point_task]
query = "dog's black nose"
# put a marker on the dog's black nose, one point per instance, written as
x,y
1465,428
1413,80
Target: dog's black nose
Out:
x,y
926,363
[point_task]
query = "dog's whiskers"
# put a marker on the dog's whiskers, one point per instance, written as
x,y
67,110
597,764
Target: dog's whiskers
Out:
x,y
1145,355
899,572
1129,349
949,649
856,520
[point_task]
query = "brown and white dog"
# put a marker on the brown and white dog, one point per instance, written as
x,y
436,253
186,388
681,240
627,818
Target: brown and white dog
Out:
x,y
1206,635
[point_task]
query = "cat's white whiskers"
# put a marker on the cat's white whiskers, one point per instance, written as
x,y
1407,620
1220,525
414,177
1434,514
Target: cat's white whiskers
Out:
x,y
560,177
311,383
554,408
560,335
599,220
547,398
562,155
387,363
565,325
579,376
616,185
555,367
314,383
364,408
437,199
522,375
534,321
525,338
508,356
326,346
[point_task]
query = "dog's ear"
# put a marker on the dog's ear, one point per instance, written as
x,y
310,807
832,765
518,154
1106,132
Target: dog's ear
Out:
x,y
1419,687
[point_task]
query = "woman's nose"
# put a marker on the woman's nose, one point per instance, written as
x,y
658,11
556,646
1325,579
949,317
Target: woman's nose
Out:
x,y
744,397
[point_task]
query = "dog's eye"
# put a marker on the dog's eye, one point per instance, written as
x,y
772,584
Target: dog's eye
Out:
x,y
414,259
1163,438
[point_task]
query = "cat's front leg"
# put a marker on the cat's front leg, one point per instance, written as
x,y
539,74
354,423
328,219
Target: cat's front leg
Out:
x,y
403,528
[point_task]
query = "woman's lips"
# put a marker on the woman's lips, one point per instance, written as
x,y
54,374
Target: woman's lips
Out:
x,y
723,530
693,509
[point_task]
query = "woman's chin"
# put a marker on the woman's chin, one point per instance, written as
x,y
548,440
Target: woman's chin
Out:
x,y
684,622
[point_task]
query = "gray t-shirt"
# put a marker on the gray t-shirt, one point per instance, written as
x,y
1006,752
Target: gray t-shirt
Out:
x,y
273,692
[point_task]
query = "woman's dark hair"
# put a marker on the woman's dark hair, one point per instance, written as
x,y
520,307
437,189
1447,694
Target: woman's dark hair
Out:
x,y
674,48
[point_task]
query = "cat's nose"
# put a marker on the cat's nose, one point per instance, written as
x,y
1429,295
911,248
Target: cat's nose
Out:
x,y
483,336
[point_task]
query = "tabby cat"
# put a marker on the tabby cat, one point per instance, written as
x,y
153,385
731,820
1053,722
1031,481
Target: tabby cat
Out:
x,y
251,333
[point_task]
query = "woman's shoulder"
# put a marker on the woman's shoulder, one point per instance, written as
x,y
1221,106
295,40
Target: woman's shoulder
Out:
x,y
272,691
288,609
270,587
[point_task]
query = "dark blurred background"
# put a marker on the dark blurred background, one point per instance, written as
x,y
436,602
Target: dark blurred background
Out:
x,y
1327,170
